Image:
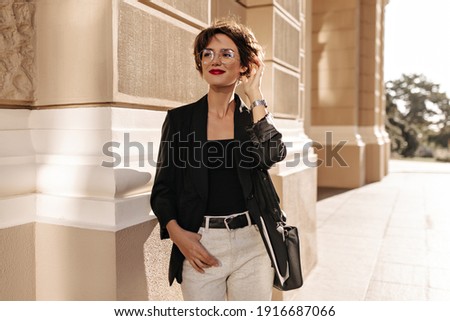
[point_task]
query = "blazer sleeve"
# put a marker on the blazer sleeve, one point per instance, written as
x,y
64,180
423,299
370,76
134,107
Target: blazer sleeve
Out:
x,y
163,196
267,143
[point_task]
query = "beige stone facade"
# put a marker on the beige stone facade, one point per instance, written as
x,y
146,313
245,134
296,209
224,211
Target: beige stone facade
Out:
x,y
84,86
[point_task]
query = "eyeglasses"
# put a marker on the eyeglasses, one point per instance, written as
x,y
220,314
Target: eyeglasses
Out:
x,y
226,56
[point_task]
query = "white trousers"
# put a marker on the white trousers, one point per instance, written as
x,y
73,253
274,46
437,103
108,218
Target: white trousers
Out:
x,y
245,271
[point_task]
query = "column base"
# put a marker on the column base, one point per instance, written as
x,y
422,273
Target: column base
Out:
x,y
375,153
83,264
349,175
341,154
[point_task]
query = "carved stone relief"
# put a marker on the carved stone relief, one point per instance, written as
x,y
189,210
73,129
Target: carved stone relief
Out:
x,y
16,49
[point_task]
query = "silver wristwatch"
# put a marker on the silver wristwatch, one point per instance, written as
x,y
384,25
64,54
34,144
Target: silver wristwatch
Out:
x,y
258,102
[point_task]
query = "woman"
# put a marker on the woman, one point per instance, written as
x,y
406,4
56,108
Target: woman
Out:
x,y
203,188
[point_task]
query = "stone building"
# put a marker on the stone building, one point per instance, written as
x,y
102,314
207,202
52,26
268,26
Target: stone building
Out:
x,y
84,86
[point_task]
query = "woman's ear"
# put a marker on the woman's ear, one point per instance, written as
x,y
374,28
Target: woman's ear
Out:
x,y
243,70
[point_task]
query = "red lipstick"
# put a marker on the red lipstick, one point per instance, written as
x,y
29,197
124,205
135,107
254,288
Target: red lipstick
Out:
x,y
216,71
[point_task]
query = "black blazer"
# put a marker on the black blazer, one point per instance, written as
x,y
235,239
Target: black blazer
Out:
x,y
180,189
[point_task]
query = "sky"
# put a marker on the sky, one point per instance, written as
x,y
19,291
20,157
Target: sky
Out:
x,y
417,40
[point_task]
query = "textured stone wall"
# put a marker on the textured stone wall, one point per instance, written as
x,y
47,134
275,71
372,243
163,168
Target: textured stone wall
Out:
x,y
155,58
16,49
197,9
292,7
286,85
286,40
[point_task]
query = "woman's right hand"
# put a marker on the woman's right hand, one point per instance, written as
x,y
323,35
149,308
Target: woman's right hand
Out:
x,y
252,83
189,244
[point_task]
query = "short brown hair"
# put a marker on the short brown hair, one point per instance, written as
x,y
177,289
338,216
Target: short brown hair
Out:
x,y
242,36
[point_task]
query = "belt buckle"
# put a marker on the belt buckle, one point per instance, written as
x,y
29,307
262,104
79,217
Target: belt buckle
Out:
x,y
228,219
225,221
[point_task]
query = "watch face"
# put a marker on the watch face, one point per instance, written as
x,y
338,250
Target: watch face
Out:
x,y
258,102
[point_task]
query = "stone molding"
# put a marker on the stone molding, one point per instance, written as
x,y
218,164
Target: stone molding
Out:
x,y
371,134
53,159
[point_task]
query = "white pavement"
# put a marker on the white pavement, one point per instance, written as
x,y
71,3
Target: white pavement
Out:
x,y
388,240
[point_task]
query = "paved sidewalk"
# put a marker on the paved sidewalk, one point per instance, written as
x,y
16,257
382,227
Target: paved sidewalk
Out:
x,y
388,240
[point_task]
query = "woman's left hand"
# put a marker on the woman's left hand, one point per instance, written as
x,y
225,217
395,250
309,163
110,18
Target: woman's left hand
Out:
x,y
252,83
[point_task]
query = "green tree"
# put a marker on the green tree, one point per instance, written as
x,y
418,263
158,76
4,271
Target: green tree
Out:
x,y
417,114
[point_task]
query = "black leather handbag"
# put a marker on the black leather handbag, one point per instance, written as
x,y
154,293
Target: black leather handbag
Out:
x,y
294,279
281,240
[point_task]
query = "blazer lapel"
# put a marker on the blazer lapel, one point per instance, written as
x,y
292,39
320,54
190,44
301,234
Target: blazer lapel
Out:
x,y
197,138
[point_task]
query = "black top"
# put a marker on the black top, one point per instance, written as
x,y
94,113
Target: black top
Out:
x,y
225,194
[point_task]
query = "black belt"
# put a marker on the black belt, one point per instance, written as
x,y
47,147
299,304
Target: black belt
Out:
x,y
231,222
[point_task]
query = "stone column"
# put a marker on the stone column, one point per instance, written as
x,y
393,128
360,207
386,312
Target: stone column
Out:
x,y
335,93
84,207
371,88
382,118
348,92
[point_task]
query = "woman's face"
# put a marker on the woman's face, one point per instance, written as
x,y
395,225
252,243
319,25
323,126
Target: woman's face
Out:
x,y
222,70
